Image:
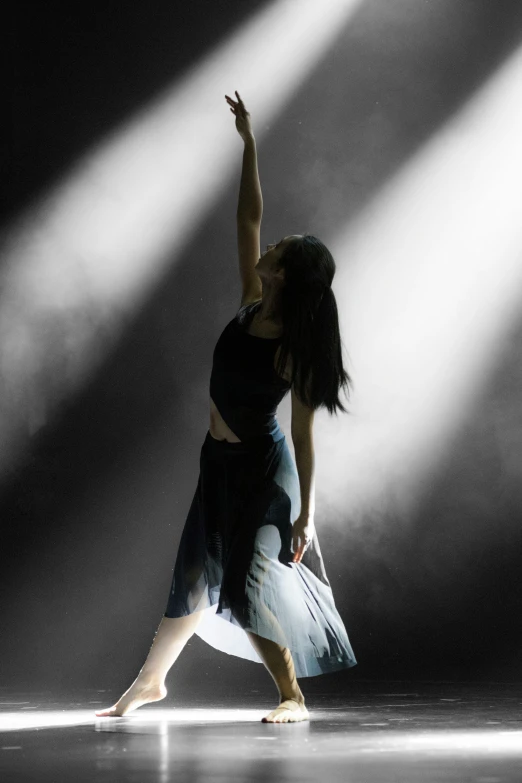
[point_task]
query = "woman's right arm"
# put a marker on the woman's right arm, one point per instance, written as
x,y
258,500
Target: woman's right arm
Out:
x,y
250,206
250,202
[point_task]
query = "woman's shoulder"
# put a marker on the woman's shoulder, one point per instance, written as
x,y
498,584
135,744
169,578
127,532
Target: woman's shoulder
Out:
x,y
247,309
250,303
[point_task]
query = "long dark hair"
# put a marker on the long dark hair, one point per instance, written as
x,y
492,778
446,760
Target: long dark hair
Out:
x,y
311,334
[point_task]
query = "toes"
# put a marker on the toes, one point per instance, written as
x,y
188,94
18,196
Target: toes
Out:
x,y
286,715
110,712
277,716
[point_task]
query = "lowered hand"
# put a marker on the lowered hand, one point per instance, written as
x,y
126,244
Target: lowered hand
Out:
x,y
303,532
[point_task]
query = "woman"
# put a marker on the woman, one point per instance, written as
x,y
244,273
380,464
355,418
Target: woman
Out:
x,y
249,575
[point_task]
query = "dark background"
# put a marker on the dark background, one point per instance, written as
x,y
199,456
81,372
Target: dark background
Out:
x,y
92,513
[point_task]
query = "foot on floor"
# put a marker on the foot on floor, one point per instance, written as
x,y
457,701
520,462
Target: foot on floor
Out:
x,y
289,711
137,695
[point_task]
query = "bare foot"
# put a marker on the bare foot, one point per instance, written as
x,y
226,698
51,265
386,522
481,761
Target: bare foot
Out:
x,y
139,693
289,711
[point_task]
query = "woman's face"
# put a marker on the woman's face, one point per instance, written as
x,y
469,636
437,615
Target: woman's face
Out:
x,y
268,264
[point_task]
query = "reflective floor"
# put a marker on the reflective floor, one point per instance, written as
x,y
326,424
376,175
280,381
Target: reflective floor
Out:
x,y
380,732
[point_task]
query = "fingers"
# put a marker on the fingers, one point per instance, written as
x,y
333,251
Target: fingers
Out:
x,y
299,550
235,104
299,555
233,107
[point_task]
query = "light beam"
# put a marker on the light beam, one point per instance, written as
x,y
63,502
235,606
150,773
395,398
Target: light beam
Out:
x,y
429,282
80,262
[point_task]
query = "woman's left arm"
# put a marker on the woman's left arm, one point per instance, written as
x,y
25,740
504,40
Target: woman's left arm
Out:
x,y
303,440
305,463
303,529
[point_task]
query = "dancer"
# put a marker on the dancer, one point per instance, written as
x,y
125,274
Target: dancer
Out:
x,y
249,576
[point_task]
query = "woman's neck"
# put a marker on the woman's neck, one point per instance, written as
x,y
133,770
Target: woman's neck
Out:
x,y
270,309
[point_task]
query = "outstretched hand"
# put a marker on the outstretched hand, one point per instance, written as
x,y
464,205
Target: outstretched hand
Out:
x,y
243,126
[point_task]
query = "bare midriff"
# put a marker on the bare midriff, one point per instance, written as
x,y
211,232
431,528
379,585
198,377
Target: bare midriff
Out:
x,y
218,427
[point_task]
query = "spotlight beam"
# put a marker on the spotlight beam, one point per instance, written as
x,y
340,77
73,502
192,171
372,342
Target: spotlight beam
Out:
x,y
430,283
78,263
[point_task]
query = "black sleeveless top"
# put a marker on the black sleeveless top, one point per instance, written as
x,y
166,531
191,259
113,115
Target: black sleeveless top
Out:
x,y
244,384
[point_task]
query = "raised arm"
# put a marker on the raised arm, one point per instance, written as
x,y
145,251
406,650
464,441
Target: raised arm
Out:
x,y
250,206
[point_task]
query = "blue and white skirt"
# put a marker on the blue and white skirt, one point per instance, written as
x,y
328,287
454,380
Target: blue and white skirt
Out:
x,y
234,560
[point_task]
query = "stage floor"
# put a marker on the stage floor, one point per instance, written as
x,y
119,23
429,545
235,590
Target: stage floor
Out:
x,y
404,732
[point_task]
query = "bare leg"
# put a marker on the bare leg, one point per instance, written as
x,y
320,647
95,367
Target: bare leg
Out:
x,y
278,660
171,637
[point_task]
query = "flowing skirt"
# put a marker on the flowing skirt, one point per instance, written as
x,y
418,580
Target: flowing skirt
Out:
x,y
234,561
